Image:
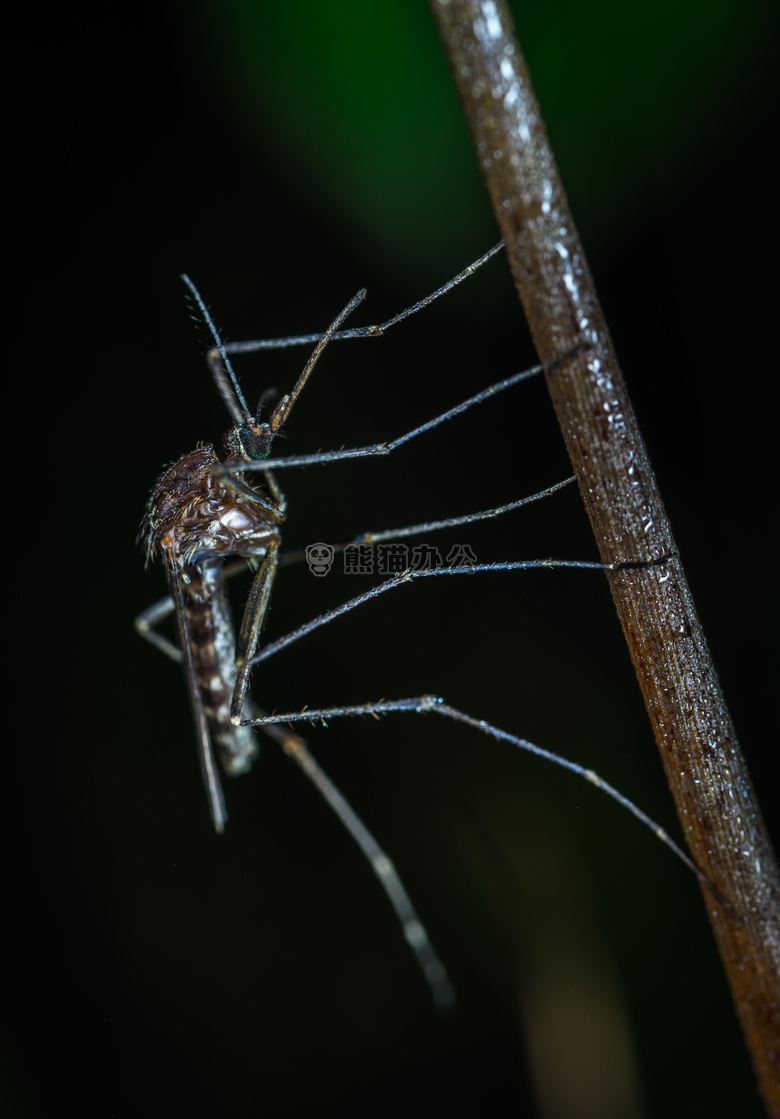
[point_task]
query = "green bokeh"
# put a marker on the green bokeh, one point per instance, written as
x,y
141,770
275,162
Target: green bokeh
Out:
x,y
353,102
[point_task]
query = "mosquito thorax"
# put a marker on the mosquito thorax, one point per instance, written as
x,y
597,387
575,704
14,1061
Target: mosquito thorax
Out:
x,y
249,442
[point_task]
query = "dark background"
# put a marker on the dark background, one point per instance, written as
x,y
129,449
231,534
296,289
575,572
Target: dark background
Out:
x,y
156,969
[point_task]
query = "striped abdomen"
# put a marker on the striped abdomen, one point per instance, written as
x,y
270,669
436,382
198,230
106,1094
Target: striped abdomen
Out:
x,y
213,643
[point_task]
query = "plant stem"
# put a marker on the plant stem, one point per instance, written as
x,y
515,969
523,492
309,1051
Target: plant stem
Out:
x,y
715,800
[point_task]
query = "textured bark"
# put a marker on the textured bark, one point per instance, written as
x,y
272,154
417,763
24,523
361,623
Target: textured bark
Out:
x,y
715,800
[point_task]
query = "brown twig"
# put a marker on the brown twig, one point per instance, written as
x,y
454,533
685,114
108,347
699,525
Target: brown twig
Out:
x,y
704,765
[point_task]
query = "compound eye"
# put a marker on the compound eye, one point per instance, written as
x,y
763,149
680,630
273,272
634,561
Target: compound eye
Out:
x,y
255,444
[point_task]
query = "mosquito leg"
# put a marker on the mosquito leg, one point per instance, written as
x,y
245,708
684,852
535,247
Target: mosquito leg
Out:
x,y
388,447
409,575
149,619
413,929
375,331
273,508
455,522
208,764
254,615
428,703
252,623
275,490
146,622
290,558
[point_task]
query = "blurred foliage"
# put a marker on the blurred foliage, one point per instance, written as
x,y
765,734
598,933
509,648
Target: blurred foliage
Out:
x,y
355,98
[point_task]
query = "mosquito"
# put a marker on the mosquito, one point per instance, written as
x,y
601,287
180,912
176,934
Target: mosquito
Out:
x,y
209,508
